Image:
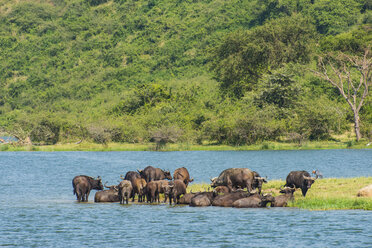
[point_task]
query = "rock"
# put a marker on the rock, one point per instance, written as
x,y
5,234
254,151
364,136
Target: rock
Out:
x,y
366,191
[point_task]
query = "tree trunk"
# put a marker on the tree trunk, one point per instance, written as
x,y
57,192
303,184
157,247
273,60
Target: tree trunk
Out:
x,y
356,125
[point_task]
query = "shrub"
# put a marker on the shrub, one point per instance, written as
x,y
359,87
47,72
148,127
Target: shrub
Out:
x,y
45,132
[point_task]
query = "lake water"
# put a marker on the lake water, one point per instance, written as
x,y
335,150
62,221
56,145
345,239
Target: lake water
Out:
x,y
38,209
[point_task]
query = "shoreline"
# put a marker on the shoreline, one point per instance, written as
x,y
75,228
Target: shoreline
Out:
x,y
274,146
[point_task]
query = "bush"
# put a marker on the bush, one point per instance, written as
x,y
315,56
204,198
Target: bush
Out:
x,y
165,135
317,119
45,132
99,134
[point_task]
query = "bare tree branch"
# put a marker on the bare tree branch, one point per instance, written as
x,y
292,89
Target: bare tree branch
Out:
x,y
343,68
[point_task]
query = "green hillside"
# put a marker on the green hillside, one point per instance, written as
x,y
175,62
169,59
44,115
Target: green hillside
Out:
x,y
232,72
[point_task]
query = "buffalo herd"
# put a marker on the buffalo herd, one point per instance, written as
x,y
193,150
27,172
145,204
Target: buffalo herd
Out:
x,y
234,187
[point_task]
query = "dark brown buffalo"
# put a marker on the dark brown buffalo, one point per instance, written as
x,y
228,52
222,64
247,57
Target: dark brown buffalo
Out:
x,y
182,174
299,179
152,191
125,190
186,198
227,200
109,195
222,190
203,199
282,200
139,188
258,181
154,188
235,178
152,174
254,201
174,190
83,185
131,175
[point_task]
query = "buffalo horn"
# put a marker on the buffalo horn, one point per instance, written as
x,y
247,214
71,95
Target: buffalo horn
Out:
x,y
106,185
309,178
213,179
259,178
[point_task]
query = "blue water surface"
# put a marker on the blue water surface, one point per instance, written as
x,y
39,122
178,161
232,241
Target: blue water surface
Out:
x,y
38,209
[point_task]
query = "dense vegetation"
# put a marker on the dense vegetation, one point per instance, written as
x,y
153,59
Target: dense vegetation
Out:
x,y
227,72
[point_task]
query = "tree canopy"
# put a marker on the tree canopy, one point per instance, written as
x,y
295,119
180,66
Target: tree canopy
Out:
x,y
234,72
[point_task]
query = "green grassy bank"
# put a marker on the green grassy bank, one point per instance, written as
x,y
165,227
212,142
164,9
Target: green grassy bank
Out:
x,y
86,146
325,194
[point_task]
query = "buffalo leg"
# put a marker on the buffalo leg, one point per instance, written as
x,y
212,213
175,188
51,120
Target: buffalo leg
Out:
x,y
249,187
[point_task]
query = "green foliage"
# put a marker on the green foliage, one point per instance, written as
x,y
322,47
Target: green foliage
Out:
x,y
45,132
353,42
317,119
123,71
244,56
279,89
334,16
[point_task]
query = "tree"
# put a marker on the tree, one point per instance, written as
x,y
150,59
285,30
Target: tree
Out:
x,y
341,71
244,56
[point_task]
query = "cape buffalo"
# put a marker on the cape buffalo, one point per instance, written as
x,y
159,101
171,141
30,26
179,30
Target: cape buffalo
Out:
x,y
186,198
227,200
254,201
258,181
138,184
125,190
299,179
151,174
83,185
110,195
235,178
131,175
222,190
203,199
182,174
282,200
154,188
174,190
139,187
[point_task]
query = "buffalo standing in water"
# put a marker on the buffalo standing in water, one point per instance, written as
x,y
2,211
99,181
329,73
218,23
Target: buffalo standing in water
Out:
x,y
125,190
83,185
299,179
174,190
152,174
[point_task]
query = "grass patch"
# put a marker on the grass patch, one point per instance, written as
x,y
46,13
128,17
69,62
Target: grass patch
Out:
x,y
328,194
86,146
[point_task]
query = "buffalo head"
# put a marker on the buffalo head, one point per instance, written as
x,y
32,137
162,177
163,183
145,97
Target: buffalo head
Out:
x,y
257,183
167,174
98,182
287,190
214,182
308,181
